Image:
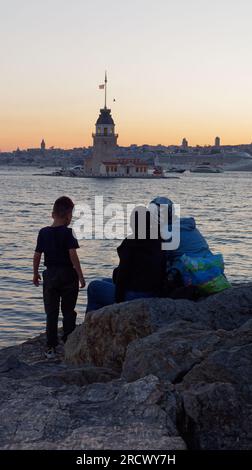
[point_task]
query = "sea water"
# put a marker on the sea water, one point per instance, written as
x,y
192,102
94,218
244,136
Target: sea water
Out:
x,y
220,203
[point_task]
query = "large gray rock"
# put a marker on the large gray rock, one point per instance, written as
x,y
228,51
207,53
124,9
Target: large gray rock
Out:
x,y
170,352
98,416
105,334
217,397
151,374
217,416
227,364
173,351
202,348
103,338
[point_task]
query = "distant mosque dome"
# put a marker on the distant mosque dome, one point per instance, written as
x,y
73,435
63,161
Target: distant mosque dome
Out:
x,y
105,118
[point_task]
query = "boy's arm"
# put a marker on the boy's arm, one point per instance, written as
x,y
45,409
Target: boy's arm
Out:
x,y
76,264
36,262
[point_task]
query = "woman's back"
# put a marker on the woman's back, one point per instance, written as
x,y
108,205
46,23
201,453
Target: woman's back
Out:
x,y
142,264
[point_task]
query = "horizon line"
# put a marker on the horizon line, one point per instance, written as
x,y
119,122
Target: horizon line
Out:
x,y
52,147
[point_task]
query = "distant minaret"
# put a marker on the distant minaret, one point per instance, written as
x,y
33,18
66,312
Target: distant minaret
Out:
x,y
217,141
104,139
184,143
42,145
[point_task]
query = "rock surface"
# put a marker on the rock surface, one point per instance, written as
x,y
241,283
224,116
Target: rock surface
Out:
x,y
105,335
153,374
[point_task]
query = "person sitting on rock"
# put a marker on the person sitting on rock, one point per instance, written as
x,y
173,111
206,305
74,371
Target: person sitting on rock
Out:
x,y
141,268
192,243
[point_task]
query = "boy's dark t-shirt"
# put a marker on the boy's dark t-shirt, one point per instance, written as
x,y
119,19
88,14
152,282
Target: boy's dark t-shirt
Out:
x,y
55,243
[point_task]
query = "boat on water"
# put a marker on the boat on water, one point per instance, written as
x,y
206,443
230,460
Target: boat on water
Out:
x,y
175,170
206,167
157,171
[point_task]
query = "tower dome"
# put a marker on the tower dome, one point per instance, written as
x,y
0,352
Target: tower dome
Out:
x,y
105,124
105,118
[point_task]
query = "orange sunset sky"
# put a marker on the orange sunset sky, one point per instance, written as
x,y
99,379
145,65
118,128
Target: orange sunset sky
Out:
x,y
176,69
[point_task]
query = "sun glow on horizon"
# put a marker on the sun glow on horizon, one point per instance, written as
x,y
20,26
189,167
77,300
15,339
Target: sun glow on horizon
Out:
x,y
179,70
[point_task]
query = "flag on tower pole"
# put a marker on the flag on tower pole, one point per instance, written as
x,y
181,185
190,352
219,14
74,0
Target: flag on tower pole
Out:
x,y
104,87
105,90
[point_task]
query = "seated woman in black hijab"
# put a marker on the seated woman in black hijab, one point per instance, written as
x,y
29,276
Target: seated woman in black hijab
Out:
x,y
141,268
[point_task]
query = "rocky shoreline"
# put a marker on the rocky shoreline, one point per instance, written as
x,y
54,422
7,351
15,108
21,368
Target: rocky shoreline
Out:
x,y
153,374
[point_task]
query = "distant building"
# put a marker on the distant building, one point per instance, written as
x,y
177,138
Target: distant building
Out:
x,y
104,140
217,141
131,167
107,158
43,145
104,143
184,143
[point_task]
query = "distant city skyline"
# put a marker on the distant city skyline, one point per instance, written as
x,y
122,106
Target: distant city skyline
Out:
x,y
175,70
184,145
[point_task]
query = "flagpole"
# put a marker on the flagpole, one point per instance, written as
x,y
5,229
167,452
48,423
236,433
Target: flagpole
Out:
x,y
106,90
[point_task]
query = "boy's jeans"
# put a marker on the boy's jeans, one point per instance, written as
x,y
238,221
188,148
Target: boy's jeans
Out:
x,y
60,285
102,292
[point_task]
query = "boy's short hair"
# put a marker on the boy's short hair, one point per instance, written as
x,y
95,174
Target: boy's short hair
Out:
x,y
62,206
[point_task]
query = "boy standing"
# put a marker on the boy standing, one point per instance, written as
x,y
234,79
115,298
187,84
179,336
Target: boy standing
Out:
x,y
63,272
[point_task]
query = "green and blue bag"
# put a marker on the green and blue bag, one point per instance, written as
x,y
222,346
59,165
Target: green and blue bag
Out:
x,y
206,273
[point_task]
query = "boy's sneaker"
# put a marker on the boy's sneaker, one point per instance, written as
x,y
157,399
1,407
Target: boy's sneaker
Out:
x,y
50,353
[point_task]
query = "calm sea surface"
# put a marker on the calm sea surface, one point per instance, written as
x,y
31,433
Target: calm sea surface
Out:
x,y
221,204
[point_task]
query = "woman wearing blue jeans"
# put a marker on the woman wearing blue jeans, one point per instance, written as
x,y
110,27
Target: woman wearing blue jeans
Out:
x,y
102,292
141,268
